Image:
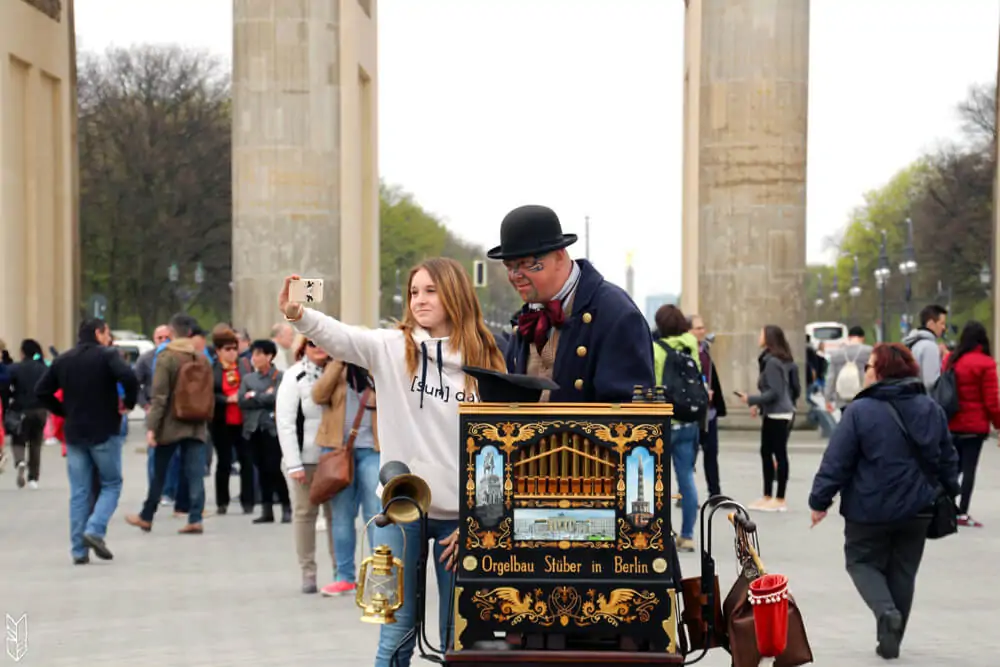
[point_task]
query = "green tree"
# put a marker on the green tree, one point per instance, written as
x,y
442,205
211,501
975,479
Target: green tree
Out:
x,y
948,196
410,234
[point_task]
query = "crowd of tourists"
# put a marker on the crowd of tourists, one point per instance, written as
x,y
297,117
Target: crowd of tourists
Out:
x,y
272,408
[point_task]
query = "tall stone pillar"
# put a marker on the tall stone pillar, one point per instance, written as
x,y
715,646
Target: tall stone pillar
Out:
x,y
38,204
747,89
305,168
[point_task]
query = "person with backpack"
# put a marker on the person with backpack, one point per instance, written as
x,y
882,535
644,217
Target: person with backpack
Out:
x,y
678,368
779,390
846,377
978,402
923,342
182,403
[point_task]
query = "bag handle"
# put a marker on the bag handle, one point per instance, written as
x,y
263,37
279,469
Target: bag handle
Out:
x,y
358,417
929,473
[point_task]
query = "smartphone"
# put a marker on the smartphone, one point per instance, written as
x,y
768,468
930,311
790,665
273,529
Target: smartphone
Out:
x,y
305,290
738,393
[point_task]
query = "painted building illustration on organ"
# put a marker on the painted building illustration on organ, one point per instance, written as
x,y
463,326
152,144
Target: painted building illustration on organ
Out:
x,y
489,486
571,525
639,487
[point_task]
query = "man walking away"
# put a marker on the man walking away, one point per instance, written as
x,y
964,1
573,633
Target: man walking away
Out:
x,y
28,436
88,376
923,342
846,376
182,402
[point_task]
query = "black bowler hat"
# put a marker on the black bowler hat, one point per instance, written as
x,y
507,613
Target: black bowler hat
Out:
x,y
530,231
497,387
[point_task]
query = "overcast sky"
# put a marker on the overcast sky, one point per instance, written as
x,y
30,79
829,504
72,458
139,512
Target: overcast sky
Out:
x,y
577,104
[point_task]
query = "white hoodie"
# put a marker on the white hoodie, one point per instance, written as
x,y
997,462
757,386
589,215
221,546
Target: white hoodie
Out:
x,y
417,414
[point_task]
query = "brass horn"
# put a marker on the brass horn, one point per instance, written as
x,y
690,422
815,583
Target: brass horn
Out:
x,y
398,481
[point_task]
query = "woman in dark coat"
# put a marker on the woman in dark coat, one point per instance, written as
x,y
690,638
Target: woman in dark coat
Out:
x,y
776,404
885,495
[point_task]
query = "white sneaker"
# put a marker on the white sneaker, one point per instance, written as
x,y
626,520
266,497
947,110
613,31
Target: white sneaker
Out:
x,y
21,470
33,485
320,524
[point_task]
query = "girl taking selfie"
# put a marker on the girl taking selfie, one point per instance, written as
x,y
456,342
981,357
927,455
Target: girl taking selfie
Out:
x,y
418,368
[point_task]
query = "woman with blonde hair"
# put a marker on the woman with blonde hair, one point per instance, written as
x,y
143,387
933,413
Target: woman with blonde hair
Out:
x,y
418,367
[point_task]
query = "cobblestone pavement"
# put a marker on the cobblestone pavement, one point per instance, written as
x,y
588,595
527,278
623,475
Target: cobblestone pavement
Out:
x,y
230,597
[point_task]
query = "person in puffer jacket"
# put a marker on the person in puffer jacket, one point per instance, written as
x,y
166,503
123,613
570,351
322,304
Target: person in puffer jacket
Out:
x,y
978,406
886,491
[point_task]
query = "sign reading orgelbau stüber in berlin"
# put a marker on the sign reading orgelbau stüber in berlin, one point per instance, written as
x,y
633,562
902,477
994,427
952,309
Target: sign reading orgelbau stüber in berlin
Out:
x,y
17,637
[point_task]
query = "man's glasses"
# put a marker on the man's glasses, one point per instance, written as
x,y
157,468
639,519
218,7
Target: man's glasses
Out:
x,y
530,265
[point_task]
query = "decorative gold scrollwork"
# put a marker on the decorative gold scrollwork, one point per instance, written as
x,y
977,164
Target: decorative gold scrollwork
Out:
x,y
640,540
460,622
564,605
478,538
508,434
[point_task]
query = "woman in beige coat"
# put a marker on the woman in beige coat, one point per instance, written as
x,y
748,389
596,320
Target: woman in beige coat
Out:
x,y
346,394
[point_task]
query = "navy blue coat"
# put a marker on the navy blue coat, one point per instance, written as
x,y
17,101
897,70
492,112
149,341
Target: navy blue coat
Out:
x,y
605,347
870,463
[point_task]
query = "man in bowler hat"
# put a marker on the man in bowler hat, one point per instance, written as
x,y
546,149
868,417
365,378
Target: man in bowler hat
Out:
x,y
575,328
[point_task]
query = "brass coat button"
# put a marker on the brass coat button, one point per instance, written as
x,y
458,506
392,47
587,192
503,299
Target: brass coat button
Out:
x,y
578,385
581,351
587,317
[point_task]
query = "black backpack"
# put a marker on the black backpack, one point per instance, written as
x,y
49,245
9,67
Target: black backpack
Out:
x,y
944,391
684,385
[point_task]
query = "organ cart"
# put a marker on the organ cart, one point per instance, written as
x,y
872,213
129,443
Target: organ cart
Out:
x,y
566,552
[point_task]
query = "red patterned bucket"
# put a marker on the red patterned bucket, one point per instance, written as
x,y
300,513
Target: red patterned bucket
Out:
x,y
769,599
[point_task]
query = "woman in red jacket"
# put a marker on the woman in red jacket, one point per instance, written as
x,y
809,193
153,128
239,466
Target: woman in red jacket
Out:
x,y
978,406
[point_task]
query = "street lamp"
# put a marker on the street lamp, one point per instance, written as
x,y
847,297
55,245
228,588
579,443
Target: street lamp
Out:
x,y
397,296
855,290
199,274
835,288
908,267
819,291
882,273
174,273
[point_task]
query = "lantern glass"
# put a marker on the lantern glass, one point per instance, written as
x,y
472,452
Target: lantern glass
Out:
x,y
380,593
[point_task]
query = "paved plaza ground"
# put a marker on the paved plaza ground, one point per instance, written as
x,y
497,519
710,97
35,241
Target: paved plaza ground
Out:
x,y
230,597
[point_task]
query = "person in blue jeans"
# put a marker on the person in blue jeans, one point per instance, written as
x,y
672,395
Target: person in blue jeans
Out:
x,y
360,495
421,382
674,334
89,376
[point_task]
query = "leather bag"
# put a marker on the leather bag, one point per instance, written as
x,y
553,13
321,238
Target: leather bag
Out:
x,y
335,470
738,613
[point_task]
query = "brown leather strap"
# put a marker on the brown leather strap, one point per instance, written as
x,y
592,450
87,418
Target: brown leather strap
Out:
x,y
358,417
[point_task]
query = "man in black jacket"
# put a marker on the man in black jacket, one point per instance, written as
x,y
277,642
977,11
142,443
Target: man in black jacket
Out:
x,y
27,439
89,376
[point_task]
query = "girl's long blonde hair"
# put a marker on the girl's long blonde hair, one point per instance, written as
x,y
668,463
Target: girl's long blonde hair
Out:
x,y
469,335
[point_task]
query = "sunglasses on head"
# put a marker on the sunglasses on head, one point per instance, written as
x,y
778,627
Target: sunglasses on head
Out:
x,y
309,343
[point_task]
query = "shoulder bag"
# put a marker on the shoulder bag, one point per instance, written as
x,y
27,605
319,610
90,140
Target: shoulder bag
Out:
x,y
335,470
944,514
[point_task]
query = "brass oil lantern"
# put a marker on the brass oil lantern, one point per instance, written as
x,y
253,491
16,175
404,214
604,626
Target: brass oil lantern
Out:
x,y
380,593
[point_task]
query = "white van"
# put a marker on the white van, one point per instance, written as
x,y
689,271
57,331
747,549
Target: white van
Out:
x,y
831,334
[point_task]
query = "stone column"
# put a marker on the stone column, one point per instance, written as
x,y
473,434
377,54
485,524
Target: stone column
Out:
x,y
753,69
304,171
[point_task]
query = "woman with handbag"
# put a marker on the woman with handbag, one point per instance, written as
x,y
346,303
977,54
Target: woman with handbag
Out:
x,y
347,396
418,367
892,461
299,421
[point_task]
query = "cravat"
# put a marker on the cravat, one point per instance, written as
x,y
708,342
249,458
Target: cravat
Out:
x,y
533,325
